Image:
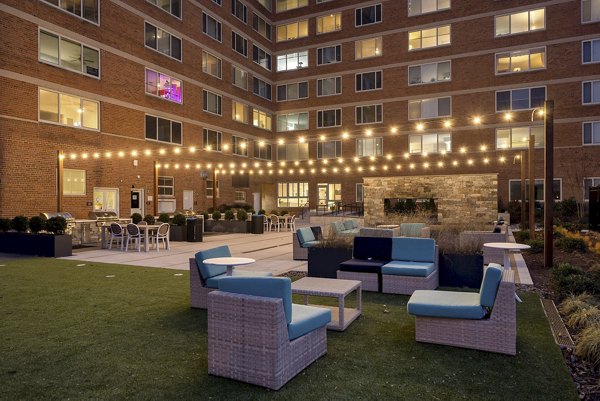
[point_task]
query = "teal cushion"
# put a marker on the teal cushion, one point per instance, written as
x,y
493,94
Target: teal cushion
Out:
x,y
411,229
413,249
213,282
354,224
349,224
338,227
414,269
455,305
208,271
305,234
271,287
306,319
489,285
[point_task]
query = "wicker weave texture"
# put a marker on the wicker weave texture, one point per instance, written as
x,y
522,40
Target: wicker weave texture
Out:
x,y
298,253
498,333
198,291
393,284
370,281
248,341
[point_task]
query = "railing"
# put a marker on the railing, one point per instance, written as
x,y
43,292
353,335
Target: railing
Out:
x,y
355,207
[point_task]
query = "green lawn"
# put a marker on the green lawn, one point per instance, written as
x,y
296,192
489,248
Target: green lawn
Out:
x,y
69,332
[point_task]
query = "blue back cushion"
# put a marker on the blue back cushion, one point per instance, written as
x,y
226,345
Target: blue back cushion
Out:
x,y
349,224
305,234
413,249
373,248
337,227
489,286
208,271
271,287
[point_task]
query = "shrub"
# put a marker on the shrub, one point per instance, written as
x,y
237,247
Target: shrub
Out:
x,y
567,280
229,215
216,215
20,224
575,303
149,219
588,346
584,318
4,225
537,245
261,211
284,212
567,208
36,224
56,225
223,208
247,207
205,215
242,215
274,212
163,218
569,244
521,236
136,218
179,220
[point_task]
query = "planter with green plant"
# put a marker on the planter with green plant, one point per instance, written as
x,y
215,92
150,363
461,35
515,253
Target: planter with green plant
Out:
x,y
177,232
164,218
460,262
229,224
136,218
325,258
47,238
149,219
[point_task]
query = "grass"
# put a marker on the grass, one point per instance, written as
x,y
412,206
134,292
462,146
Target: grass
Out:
x,y
71,332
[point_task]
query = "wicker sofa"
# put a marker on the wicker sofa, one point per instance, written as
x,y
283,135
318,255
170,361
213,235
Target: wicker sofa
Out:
x,y
417,230
344,228
303,239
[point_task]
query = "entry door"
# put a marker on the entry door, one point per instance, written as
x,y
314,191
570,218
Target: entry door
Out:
x,y
106,200
329,194
137,201
188,200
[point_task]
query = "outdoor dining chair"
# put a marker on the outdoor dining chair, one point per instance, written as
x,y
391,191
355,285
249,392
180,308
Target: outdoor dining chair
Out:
x,y
116,234
133,235
274,223
162,234
291,223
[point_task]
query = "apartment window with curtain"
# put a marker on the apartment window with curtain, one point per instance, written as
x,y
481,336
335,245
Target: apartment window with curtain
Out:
x,y
211,102
369,147
71,111
521,60
262,150
329,86
329,55
521,22
239,112
428,38
329,23
67,53
292,152
239,77
212,140
88,10
418,7
261,119
162,41
367,48
590,51
429,108
261,57
173,7
163,86
294,91
590,11
262,27
292,30
367,15
211,64
429,73
239,10
292,122
239,44
368,81
73,182
211,27
329,149
372,113
262,89
329,118
239,145
518,137
292,61
430,143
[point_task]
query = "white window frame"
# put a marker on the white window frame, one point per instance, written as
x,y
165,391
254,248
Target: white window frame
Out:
x,y
209,188
437,38
205,141
243,145
262,84
298,56
439,146
239,196
338,54
338,90
437,9
266,4
258,115
218,26
287,98
234,10
360,10
361,74
285,119
530,107
299,24
423,106
337,113
68,174
167,187
296,191
299,152
594,58
510,23
257,22
234,42
171,122
514,53
154,2
337,145
437,64
218,102
264,151
81,100
171,37
243,118
288,3
377,146
360,198
592,125
337,17
233,76
595,3
359,43
539,138
81,17
268,57
205,56
58,63
362,108
593,84
171,78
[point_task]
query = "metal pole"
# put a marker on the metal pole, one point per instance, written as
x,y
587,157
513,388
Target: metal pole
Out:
x,y
531,186
155,189
523,191
60,171
214,189
548,181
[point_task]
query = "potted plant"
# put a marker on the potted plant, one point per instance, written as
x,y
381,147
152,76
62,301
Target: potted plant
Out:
x,y
229,215
149,219
164,217
324,259
460,262
51,243
177,231
136,218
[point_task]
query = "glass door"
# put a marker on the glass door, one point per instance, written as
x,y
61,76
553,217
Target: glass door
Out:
x,y
106,200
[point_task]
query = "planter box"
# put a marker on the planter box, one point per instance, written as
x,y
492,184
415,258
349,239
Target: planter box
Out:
x,y
178,233
325,262
54,246
225,226
458,270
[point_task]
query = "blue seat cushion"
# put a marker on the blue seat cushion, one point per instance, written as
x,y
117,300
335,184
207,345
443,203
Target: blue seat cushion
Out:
x,y
271,287
305,234
306,319
338,227
489,285
401,268
207,271
362,266
373,248
349,224
310,244
413,249
213,282
449,304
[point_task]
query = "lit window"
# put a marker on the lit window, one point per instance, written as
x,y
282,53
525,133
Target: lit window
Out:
x,y
285,5
367,48
239,112
429,73
239,77
209,188
163,86
427,38
590,11
240,196
292,122
292,194
292,61
525,21
430,143
518,137
72,111
521,60
69,54
418,7
329,23
293,30
261,119
211,64
73,182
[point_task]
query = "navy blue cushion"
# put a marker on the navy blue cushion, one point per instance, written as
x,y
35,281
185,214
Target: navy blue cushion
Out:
x,y
489,285
456,305
373,248
306,319
208,271
414,269
362,266
413,249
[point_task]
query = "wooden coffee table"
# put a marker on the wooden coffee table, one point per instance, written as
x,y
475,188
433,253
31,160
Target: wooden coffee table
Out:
x,y
341,317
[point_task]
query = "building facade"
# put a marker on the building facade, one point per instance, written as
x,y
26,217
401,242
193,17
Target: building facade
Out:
x,y
139,105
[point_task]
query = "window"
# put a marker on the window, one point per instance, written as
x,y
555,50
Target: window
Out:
x,y
239,44
520,99
239,112
329,55
427,38
239,77
72,111
240,196
515,190
292,152
212,140
329,23
217,2
418,7
518,137
69,54
367,15
369,147
329,86
239,10
261,26
163,130
590,10
430,143
525,21
369,114
587,183
368,81
429,73
329,118
292,61
165,186
265,3
164,86
297,90
292,194
521,60
262,150
329,149
173,7
261,57
591,92
590,51
86,9
211,64
591,133
261,119
429,108
162,41
293,30
211,27
359,192
211,102
209,188
292,122
285,5
368,48
262,89
73,182
240,146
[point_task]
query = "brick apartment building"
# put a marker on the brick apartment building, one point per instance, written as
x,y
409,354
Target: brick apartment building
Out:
x,y
131,105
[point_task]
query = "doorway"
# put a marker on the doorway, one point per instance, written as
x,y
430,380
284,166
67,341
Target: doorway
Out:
x,y
106,200
188,199
328,195
137,201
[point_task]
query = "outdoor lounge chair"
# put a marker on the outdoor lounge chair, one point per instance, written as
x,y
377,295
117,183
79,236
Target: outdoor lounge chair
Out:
x,y
464,319
256,335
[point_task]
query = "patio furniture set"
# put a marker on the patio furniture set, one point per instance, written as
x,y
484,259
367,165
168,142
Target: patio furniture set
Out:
x,y
278,223
136,235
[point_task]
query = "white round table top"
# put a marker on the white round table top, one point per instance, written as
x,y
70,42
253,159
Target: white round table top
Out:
x,y
228,261
510,246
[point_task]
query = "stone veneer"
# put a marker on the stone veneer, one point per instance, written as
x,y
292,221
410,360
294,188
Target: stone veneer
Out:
x,y
461,198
